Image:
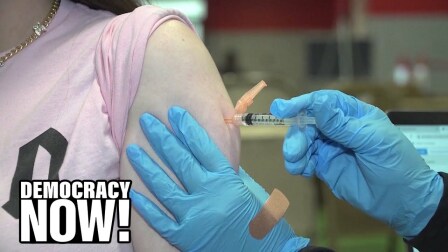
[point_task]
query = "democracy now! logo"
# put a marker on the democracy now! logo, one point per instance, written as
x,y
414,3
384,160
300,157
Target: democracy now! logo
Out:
x,y
74,211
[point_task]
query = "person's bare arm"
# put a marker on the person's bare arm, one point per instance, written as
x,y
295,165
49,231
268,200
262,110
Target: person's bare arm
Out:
x,y
178,70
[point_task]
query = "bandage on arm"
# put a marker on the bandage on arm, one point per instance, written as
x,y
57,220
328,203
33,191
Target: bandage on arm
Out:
x,y
269,215
178,70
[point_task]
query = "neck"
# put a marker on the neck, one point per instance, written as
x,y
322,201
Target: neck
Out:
x,y
17,18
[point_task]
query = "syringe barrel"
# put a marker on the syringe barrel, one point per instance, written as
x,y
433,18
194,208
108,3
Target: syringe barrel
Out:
x,y
267,119
260,119
299,120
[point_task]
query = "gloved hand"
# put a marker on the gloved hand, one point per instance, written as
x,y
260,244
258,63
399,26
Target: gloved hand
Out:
x,y
214,212
362,157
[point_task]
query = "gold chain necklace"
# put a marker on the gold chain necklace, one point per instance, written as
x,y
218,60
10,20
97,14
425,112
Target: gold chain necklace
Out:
x,y
38,28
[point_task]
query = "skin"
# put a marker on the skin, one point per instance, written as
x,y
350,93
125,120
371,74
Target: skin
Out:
x,y
17,18
178,70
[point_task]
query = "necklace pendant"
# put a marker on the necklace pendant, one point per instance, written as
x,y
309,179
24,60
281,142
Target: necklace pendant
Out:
x,y
39,28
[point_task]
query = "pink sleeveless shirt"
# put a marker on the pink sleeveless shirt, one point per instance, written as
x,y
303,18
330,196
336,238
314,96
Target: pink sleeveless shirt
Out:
x,y
64,103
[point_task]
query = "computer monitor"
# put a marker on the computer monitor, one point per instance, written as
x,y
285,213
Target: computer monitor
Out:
x,y
428,132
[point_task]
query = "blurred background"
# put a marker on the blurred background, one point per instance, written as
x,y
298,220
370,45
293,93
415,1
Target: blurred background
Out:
x,y
392,54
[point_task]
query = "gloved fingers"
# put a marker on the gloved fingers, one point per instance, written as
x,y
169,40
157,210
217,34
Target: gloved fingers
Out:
x,y
312,165
313,159
336,99
345,119
289,108
253,186
297,148
155,217
350,105
304,166
295,243
173,152
334,124
156,180
339,170
298,140
189,131
295,144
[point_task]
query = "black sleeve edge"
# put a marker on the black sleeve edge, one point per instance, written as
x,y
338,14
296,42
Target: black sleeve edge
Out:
x,y
315,249
434,237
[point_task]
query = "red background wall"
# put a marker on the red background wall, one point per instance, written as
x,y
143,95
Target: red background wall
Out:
x,y
304,14
270,14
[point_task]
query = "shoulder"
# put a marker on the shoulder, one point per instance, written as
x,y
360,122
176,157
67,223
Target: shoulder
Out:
x,y
123,50
175,42
127,35
145,20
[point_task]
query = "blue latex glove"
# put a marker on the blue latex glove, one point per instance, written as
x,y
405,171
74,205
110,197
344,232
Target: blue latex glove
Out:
x,y
362,157
214,212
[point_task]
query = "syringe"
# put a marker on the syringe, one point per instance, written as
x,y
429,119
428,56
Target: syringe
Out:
x,y
263,119
267,119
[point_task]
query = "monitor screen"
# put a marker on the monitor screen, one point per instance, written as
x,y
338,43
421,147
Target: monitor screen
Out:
x,y
431,142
